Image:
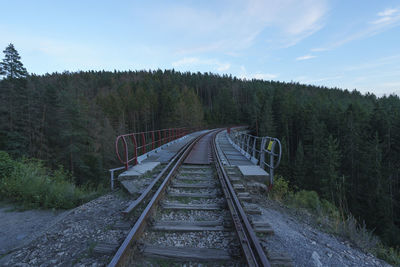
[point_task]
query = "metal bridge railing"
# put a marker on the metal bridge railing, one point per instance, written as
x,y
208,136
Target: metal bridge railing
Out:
x,y
134,145
263,151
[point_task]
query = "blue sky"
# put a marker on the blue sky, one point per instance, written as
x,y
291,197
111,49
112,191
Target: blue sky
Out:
x,y
345,44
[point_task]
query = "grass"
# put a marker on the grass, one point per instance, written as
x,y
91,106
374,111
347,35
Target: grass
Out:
x,y
30,183
333,220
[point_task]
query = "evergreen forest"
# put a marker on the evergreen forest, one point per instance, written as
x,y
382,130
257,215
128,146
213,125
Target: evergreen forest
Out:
x,y
342,144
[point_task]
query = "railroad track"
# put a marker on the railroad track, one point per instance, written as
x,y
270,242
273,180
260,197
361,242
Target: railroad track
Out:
x,y
194,217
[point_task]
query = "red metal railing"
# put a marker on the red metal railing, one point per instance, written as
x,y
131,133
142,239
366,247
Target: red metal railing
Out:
x,y
136,144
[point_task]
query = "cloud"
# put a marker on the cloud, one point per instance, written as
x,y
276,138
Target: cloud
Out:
x,y
388,16
388,12
189,62
384,21
264,76
258,75
376,63
236,25
305,57
392,84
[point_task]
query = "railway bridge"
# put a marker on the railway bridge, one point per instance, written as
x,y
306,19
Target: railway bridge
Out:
x,y
192,197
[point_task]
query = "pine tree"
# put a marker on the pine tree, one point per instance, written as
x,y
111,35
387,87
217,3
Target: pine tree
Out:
x,y
330,163
14,104
299,169
12,67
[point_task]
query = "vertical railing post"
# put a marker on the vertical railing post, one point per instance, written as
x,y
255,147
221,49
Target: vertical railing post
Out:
x,y
254,148
143,144
112,180
242,139
135,147
152,140
159,138
125,153
271,164
262,152
248,145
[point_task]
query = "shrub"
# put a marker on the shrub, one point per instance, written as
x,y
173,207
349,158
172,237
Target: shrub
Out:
x,y
280,189
6,164
390,255
32,184
358,233
329,209
308,200
330,216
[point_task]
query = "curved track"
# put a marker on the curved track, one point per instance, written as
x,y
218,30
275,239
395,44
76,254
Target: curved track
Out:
x,y
193,217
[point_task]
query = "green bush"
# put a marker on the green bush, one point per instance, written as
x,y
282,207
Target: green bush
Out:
x,y
329,215
330,210
32,184
6,164
308,200
281,189
358,234
390,255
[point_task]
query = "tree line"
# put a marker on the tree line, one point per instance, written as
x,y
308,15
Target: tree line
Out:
x,y
340,143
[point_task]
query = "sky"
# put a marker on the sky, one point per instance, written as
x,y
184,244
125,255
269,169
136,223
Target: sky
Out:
x,y
344,44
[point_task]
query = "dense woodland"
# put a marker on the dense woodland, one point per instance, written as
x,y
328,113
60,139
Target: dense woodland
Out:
x,y
340,143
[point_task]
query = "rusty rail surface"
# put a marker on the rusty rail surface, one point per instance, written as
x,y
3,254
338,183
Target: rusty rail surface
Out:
x,y
249,242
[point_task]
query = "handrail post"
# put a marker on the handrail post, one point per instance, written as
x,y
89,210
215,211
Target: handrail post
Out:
x,y
248,145
262,152
143,144
159,138
243,137
126,152
152,140
271,164
254,148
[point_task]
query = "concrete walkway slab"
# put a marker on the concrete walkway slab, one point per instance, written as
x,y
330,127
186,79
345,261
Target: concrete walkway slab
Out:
x,y
253,173
138,170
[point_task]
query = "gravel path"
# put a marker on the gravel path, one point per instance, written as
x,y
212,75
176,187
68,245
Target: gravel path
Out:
x,y
306,245
17,228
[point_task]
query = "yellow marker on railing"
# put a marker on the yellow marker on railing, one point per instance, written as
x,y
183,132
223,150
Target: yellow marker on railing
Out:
x,y
270,145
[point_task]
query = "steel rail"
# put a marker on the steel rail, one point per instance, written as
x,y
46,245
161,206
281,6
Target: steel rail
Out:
x,y
250,244
138,228
135,203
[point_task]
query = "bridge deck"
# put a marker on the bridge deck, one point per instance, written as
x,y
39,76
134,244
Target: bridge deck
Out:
x,y
230,154
168,152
